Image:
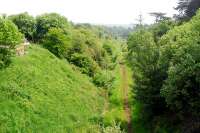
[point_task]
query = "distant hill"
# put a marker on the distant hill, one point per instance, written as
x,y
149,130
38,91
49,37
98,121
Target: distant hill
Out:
x,y
119,31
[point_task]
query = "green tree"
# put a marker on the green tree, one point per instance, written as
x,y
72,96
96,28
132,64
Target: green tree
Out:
x,y
47,21
161,28
179,62
25,23
187,9
85,63
9,38
182,87
57,41
143,57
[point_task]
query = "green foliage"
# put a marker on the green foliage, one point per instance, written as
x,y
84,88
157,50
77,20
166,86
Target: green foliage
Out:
x,y
78,42
112,129
104,79
187,9
111,48
180,63
9,38
116,112
161,28
108,48
85,63
166,75
143,56
9,34
57,41
41,93
182,85
5,55
25,23
46,21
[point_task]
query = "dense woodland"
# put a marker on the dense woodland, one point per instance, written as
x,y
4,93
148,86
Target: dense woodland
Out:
x,y
165,61
83,78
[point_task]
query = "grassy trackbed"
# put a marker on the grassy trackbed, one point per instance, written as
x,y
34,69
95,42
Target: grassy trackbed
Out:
x,y
117,111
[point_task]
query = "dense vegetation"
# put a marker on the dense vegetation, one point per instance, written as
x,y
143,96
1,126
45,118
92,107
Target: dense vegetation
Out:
x,y
9,38
73,77
45,94
65,83
165,62
187,9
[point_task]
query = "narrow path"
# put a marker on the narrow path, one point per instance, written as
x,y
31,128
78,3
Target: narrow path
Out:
x,y
125,92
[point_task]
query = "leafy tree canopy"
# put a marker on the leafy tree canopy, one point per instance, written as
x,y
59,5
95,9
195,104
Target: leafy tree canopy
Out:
x,y
187,9
25,23
9,38
57,41
47,21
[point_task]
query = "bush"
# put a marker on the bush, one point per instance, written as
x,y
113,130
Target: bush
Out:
x,y
57,41
104,79
180,64
181,89
46,21
143,56
112,129
25,23
9,38
85,63
109,49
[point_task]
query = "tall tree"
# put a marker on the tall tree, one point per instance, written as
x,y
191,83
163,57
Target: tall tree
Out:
x,y
159,16
47,21
187,9
25,23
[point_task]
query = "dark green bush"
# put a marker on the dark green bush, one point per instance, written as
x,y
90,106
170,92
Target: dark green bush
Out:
x,y
25,23
9,38
182,88
57,41
180,61
85,63
5,55
143,57
46,21
104,79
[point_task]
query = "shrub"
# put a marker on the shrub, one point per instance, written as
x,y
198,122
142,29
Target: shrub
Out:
x,y
25,23
143,56
85,63
78,42
180,63
46,21
109,49
9,38
181,89
112,129
57,41
104,79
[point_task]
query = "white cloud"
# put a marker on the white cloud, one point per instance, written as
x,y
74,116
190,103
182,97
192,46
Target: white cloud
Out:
x,y
92,11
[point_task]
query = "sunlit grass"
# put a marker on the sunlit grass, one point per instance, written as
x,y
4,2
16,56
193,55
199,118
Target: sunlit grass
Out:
x,y
40,93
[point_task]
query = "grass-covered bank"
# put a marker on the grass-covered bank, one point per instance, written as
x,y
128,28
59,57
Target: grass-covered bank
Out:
x,y
40,93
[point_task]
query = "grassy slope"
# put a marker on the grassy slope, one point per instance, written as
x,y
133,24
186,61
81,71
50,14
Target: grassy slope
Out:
x,y
40,93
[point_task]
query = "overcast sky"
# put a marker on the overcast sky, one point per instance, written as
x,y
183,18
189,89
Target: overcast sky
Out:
x,y
92,11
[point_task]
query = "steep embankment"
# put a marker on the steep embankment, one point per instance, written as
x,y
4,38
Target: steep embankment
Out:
x,y
40,93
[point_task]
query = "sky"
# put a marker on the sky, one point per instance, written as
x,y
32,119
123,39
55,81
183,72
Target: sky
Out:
x,y
92,11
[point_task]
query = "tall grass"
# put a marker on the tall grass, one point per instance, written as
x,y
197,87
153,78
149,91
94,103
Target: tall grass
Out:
x,y
40,93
